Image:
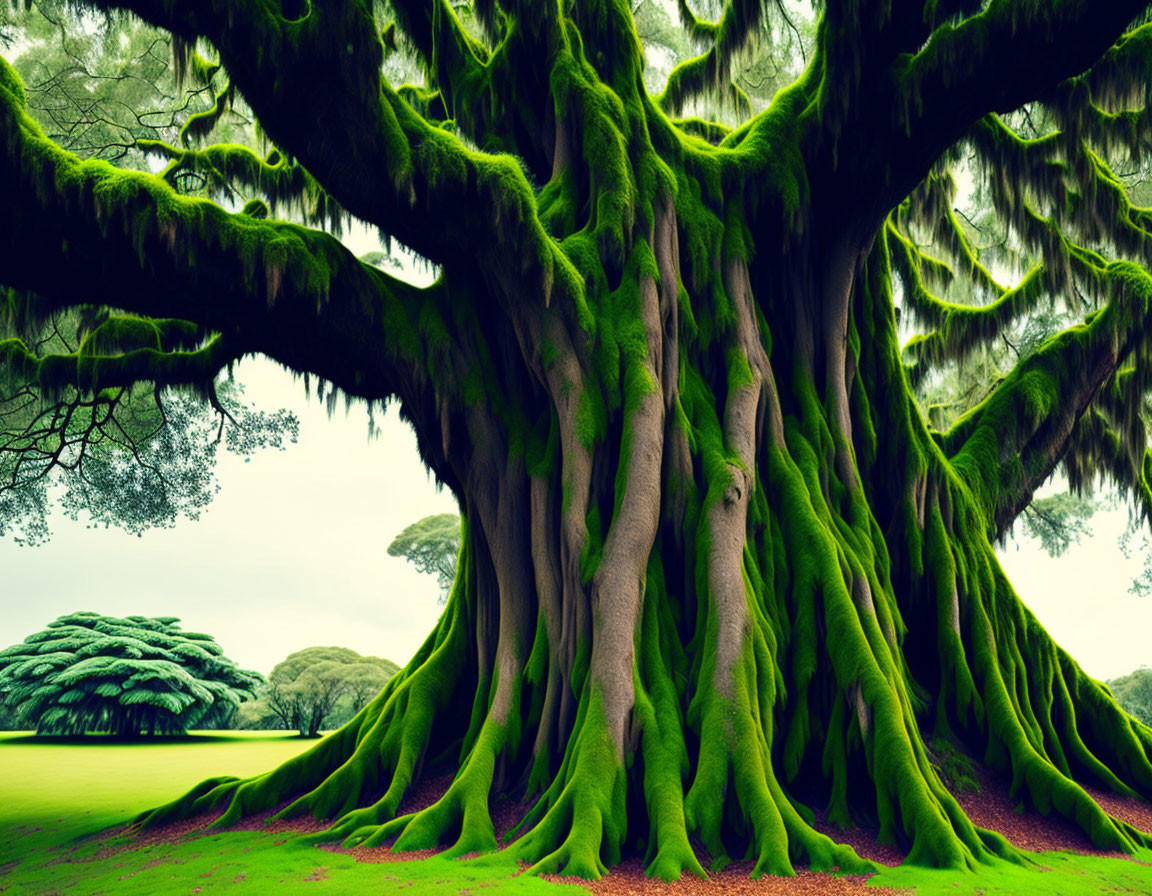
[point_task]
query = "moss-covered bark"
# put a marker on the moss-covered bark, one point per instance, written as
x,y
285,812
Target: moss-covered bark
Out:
x,y
717,573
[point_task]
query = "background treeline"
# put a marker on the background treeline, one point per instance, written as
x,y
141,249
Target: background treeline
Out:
x,y
143,676
1134,692
315,689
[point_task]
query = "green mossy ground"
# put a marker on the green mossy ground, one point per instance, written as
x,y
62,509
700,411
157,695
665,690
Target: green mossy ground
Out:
x,y
71,787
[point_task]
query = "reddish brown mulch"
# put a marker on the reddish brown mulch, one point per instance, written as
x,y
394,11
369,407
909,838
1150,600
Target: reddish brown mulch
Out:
x,y
421,797
424,795
628,879
863,841
1135,812
993,809
505,816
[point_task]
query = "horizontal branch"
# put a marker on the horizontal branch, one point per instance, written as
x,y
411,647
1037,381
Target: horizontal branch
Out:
x,y
958,329
316,86
1061,173
126,240
1010,443
92,373
226,166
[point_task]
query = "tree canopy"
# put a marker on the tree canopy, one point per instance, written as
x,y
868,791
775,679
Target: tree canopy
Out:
x,y
1134,692
135,456
432,545
137,675
720,568
314,685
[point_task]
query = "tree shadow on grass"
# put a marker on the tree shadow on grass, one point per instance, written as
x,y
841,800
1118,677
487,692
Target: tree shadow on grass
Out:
x,y
97,740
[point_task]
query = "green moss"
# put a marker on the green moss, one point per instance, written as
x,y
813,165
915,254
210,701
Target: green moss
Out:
x,y
578,826
121,334
11,84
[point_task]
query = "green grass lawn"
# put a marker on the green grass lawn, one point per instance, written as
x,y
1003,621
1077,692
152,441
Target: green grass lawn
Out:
x,y
55,795
68,789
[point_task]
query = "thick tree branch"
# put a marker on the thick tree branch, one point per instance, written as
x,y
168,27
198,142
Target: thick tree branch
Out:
x,y
93,373
126,240
426,180
995,61
1010,443
711,70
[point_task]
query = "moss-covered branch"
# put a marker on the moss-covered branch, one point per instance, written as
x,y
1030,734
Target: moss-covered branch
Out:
x,y
91,370
710,72
329,62
127,240
227,168
993,61
470,76
1008,445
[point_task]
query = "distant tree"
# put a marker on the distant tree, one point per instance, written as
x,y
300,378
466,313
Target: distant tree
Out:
x,y
431,545
256,715
8,719
363,681
1134,692
319,686
86,672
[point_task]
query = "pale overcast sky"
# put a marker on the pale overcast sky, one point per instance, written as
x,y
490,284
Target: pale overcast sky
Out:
x,y
1082,598
293,553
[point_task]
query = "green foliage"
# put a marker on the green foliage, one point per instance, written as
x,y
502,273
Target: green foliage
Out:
x,y
1134,692
320,687
9,719
104,85
432,545
88,672
133,458
1058,521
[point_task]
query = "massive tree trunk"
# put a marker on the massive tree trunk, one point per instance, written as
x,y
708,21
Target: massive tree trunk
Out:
x,y
716,572
711,590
